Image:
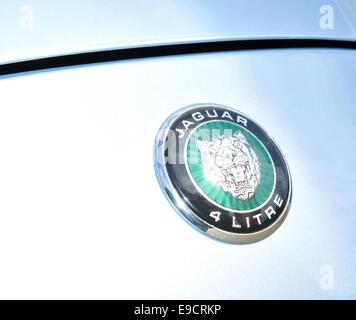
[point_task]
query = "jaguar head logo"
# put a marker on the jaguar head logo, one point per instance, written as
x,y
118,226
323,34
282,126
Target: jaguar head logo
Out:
x,y
231,163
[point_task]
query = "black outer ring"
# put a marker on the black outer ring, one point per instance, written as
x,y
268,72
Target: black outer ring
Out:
x,y
198,204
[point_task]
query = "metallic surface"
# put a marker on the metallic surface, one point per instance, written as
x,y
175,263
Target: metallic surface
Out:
x,y
38,28
82,216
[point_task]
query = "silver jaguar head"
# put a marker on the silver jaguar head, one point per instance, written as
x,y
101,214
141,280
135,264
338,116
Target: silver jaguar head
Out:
x,y
231,163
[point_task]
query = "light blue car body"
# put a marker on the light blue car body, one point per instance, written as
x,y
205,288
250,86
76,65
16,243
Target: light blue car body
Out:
x,y
81,212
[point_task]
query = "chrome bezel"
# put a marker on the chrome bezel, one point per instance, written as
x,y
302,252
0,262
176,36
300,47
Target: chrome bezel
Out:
x,y
179,204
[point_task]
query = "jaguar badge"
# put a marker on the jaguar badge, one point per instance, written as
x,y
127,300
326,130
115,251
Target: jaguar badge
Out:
x,y
223,173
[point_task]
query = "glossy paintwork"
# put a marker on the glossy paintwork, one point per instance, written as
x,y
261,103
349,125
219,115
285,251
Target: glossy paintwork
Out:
x,y
82,215
38,28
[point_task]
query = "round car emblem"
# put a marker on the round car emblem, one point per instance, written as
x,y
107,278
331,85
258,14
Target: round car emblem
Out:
x,y
223,173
